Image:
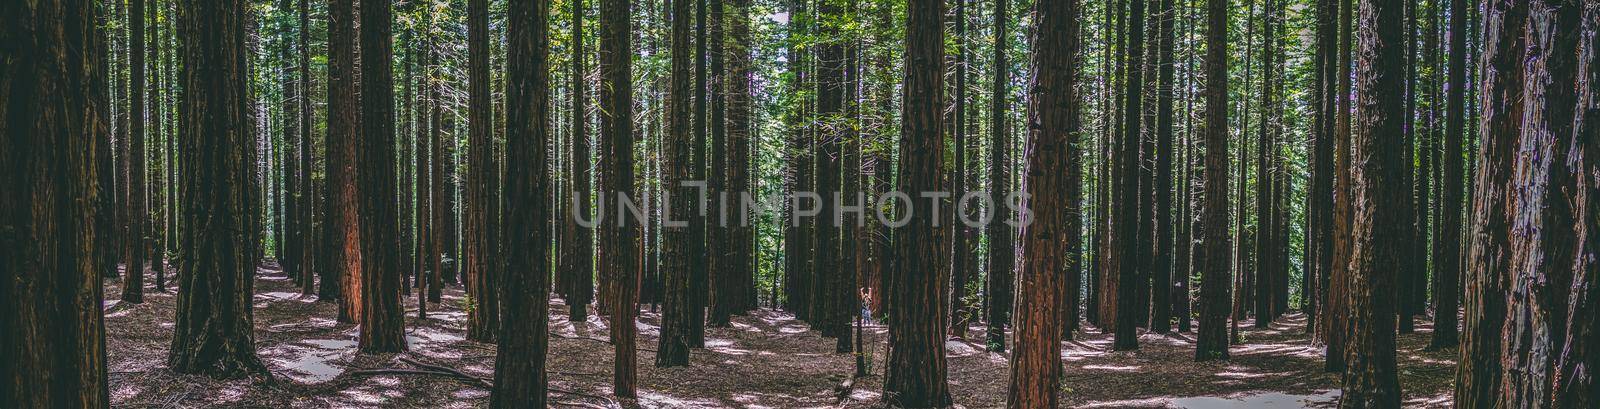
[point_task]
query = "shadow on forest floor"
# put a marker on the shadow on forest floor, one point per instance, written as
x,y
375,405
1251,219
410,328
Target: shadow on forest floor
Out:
x,y
764,360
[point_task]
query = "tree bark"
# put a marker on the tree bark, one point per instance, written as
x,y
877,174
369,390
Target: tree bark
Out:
x,y
1052,154
138,217
519,376
482,318
916,369
212,333
1002,237
344,225
1125,217
1212,340
1378,209
578,260
1550,241
620,241
382,324
52,353
1478,370
1448,244
673,346
1161,269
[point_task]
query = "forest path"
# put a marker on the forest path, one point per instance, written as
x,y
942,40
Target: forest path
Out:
x,y
764,360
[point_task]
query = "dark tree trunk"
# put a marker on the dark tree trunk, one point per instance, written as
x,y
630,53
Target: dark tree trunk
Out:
x,y
1125,217
1378,208
698,285
382,326
578,258
1575,383
519,376
52,352
1051,240
308,192
344,225
719,266
160,164
740,238
1264,239
1320,207
620,240
1002,237
1161,269
212,333
833,320
1447,248
956,173
482,319
1478,370
138,217
673,347
1336,321
437,209
916,369
1212,340
1551,220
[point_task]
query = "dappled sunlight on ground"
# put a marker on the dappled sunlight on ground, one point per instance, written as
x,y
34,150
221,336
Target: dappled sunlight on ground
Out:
x,y
767,359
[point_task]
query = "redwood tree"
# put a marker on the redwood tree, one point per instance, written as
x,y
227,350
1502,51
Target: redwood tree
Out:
x,y
1002,237
133,277
344,223
1051,152
916,369
212,333
1211,342
1489,255
620,238
519,375
1549,326
482,318
1125,217
382,325
52,351
673,347
1379,208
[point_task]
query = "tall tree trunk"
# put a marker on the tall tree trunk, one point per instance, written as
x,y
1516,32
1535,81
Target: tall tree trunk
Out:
x,y
309,203
138,217
344,226
382,325
1478,370
54,100
1050,242
1212,340
1378,209
1575,383
1264,200
1125,218
519,376
834,318
1320,207
1161,269
1337,320
157,153
1551,218
1448,247
578,258
482,318
956,174
673,346
698,214
621,238
1002,237
212,333
719,267
916,370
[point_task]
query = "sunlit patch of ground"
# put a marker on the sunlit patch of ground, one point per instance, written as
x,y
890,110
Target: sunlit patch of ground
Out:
x,y
767,359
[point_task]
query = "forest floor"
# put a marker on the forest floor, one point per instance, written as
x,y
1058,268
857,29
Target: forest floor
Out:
x,y
765,360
